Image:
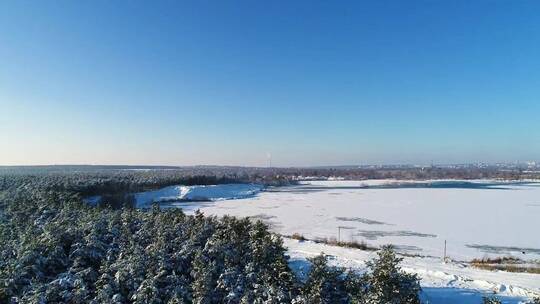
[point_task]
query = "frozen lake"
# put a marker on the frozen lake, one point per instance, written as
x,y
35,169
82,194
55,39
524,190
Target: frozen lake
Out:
x,y
477,219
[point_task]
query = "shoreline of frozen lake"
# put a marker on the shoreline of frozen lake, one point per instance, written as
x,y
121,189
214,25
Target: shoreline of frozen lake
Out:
x,y
197,194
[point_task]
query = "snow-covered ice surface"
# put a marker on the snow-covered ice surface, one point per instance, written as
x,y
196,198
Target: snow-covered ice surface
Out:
x,y
478,219
475,222
174,194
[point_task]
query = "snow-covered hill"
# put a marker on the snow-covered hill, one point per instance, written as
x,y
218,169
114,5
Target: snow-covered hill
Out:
x,y
197,193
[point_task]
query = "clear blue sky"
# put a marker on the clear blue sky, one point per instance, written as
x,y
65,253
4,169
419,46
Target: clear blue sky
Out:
x,y
309,82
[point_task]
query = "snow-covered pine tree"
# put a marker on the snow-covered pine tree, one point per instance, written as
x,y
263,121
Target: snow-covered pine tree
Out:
x,y
268,274
491,300
388,284
534,301
325,284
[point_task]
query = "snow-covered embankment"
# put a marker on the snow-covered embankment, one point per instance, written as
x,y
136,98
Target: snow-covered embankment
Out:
x,y
196,193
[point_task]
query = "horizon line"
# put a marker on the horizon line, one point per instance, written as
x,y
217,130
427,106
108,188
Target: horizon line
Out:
x,y
274,166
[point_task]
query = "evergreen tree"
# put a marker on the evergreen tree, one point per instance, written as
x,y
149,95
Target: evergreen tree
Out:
x,y
388,284
491,300
534,301
325,284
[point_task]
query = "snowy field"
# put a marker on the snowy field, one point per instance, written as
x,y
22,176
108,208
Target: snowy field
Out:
x,y
476,219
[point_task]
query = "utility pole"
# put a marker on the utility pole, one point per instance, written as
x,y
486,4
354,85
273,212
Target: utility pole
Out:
x,y
444,258
339,232
269,159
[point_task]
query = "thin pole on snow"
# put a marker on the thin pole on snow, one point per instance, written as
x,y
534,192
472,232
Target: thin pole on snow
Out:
x,y
444,258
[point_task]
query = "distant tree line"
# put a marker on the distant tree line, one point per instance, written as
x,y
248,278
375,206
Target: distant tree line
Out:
x,y
92,180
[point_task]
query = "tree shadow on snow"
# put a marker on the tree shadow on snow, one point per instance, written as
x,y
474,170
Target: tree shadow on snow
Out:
x,y
449,295
429,295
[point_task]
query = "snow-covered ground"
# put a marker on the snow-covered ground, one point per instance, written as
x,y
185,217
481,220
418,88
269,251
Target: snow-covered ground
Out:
x,y
441,282
481,219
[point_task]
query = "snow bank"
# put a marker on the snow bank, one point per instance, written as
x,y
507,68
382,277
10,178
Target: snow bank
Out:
x,y
197,193
441,282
